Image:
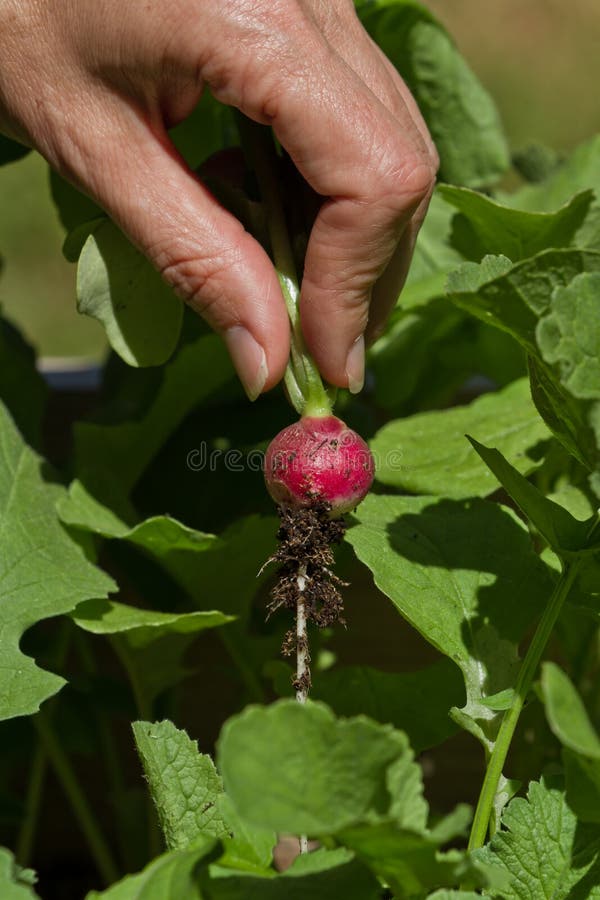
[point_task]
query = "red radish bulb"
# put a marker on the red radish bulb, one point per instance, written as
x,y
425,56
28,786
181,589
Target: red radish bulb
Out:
x,y
319,460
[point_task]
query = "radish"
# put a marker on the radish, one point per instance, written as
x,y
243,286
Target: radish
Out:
x,y
316,469
319,460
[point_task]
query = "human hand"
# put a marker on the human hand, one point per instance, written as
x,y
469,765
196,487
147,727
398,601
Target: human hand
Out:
x,y
94,88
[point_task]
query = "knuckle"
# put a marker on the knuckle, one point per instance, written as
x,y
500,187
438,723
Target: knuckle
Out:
x,y
407,183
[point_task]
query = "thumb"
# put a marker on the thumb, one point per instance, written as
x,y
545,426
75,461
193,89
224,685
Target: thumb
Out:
x,y
200,249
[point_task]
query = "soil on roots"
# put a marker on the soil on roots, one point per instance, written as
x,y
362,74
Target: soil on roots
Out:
x,y
306,537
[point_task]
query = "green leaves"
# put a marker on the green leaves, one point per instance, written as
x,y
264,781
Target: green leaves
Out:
x,y
15,883
428,454
117,286
184,784
111,458
570,723
465,576
190,800
484,226
449,95
569,336
170,876
544,849
348,778
305,748
417,702
564,533
540,302
43,572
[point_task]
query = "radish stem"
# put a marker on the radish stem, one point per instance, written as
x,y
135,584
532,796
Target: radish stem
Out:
x,y
302,657
305,388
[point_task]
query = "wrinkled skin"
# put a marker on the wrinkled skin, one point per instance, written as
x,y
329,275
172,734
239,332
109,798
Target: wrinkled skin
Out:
x,y
319,460
95,86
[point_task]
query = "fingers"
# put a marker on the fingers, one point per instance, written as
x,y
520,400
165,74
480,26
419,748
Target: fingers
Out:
x,y
200,249
373,166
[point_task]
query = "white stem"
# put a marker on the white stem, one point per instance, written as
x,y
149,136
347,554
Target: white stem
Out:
x,y
301,659
301,651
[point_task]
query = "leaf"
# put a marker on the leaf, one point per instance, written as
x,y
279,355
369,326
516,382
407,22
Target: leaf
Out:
x,y
202,564
417,702
566,535
172,876
453,895
570,723
580,172
449,95
544,849
485,226
566,713
117,286
142,626
569,336
319,875
465,575
582,778
517,302
22,388
513,297
188,795
209,128
330,772
11,151
183,783
433,255
73,207
15,883
428,453
410,863
43,572
111,458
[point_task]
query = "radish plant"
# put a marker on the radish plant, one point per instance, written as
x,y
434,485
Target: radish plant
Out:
x,y
151,742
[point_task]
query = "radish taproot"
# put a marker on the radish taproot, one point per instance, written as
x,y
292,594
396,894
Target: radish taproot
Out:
x,y
319,460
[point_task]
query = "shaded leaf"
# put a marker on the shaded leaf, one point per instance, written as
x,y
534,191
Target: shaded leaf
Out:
x,y
22,388
11,151
410,863
118,286
172,876
43,572
465,575
111,458
416,702
565,534
460,114
428,453
513,297
566,713
319,875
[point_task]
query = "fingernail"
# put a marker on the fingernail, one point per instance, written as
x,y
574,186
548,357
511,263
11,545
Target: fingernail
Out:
x,y
248,358
355,365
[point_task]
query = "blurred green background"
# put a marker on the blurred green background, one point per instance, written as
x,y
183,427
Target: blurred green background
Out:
x,y
539,58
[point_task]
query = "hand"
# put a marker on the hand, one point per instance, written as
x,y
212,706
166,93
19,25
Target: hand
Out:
x,y
95,86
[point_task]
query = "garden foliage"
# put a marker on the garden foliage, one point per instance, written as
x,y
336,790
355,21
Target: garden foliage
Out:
x,y
124,566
